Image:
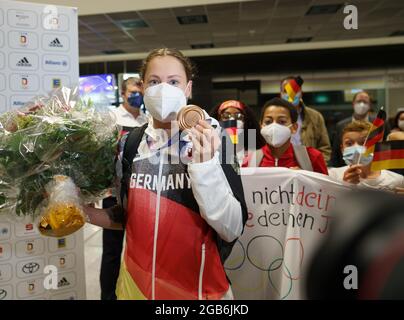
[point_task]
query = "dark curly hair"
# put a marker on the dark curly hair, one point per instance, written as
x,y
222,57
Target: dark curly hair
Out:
x,y
279,102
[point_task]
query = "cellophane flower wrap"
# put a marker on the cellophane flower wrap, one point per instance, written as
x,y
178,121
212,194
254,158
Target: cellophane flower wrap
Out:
x,y
56,136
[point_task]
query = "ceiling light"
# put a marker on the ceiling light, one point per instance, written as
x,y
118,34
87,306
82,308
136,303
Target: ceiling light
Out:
x,y
202,45
202,18
297,40
132,24
324,9
397,33
118,51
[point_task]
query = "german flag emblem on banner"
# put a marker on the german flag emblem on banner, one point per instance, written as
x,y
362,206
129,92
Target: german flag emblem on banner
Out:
x,y
231,128
388,155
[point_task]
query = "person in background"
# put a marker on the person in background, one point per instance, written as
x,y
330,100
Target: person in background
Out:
x,y
247,124
353,138
361,105
311,130
398,125
278,123
181,218
128,116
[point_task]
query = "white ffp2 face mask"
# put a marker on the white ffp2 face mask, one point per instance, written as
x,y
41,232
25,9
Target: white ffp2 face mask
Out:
x,y
361,108
164,101
275,134
401,124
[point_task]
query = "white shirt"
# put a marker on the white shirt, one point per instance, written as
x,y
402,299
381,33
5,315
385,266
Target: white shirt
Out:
x,y
126,119
388,180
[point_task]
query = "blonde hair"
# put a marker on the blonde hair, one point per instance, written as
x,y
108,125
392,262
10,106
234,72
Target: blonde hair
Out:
x,y
134,81
356,126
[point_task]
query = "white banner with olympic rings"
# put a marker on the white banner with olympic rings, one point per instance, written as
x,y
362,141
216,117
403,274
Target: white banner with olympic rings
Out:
x,y
289,212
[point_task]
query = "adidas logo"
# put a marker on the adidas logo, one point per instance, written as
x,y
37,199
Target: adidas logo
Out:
x,y
24,63
56,43
63,282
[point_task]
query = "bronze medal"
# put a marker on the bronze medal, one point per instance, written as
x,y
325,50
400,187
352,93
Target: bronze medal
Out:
x,y
189,116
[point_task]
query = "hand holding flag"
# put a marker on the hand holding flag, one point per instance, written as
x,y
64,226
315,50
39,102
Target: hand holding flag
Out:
x,y
375,133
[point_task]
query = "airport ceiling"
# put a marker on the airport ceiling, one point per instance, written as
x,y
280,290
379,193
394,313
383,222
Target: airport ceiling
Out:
x,y
236,24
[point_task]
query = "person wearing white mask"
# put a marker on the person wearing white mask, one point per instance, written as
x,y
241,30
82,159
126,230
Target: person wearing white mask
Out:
x,y
353,138
278,123
362,106
182,209
398,124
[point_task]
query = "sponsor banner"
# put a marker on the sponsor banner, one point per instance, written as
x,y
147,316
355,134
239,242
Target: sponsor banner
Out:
x,y
24,82
57,63
63,261
22,19
55,21
3,104
32,267
40,40
23,40
18,101
23,61
25,255
2,82
2,60
55,42
6,272
51,82
5,251
31,38
29,248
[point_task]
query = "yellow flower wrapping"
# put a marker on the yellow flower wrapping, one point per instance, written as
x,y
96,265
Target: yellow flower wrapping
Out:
x,y
61,219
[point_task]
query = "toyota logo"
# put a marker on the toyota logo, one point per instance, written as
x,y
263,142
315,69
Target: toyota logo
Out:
x,y
30,267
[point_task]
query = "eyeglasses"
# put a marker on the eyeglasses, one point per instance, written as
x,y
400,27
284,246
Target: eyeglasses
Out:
x,y
231,116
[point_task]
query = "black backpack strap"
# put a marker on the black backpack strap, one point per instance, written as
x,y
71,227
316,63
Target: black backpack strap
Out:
x,y
129,152
234,180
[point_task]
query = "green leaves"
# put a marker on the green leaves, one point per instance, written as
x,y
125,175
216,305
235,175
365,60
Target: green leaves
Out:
x,y
34,147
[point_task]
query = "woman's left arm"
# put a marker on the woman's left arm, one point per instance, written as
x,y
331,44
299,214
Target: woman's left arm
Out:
x,y
218,206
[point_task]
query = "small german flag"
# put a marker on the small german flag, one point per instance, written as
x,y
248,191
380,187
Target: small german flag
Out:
x,y
231,128
376,132
388,155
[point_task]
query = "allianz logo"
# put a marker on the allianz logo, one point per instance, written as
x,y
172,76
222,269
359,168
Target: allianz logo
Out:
x,y
56,63
24,63
18,103
56,43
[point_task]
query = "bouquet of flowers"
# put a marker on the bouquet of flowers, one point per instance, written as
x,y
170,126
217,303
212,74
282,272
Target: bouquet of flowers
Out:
x,y
53,137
